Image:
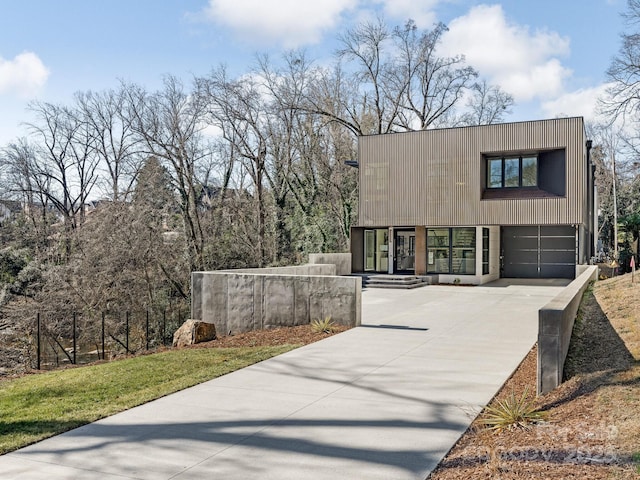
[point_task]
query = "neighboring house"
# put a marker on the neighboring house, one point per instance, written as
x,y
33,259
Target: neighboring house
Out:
x,y
476,203
38,209
9,209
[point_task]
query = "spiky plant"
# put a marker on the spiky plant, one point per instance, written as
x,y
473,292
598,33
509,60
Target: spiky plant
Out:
x,y
512,412
325,325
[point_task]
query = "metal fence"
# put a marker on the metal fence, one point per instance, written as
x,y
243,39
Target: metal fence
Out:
x,y
82,338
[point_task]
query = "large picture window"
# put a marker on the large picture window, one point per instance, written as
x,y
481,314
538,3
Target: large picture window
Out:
x,y
451,250
512,172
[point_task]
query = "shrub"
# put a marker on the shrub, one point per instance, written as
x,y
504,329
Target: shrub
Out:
x,y
323,326
512,412
11,263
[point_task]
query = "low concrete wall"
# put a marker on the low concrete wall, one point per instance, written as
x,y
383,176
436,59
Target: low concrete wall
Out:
x,y
581,268
238,302
555,326
342,261
308,269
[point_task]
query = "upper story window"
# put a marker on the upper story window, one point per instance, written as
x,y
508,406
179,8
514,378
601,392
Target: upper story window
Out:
x,y
512,172
519,175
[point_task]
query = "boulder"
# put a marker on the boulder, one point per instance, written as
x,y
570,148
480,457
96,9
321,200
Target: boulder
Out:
x,y
192,332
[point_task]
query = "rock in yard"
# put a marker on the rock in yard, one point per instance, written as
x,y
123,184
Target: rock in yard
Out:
x,y
192,332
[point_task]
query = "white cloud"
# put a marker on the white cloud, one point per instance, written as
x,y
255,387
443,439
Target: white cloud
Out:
x,y
24,75
291,23
422,12
582,102
522,62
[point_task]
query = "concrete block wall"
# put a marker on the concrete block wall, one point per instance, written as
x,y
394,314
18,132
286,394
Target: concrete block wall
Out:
x,y
238,302
555,326
342,261
308,269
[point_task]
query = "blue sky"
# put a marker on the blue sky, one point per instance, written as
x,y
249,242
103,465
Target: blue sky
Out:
x,y
551,55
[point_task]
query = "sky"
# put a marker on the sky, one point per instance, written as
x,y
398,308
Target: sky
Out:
x,y
551,55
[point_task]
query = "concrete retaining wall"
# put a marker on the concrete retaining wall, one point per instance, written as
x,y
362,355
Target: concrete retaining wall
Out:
x,y
555,325
308,269
342,261
580,269
238,302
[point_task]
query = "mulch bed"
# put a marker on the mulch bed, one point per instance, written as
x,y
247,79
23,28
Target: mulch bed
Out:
x,y
298,335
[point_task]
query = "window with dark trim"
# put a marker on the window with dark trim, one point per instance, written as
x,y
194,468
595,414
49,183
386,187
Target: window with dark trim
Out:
x,y
512,172
451,250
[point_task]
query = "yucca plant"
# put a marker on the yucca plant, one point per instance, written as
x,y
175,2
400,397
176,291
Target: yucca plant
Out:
x,y
512,412
323,326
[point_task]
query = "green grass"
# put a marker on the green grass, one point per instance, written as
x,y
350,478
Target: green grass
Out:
x,y
635,458
35,407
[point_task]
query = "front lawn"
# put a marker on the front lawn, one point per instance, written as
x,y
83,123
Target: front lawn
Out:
x,y
35,407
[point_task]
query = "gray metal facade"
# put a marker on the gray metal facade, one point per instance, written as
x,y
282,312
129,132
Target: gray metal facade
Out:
x,y
438,177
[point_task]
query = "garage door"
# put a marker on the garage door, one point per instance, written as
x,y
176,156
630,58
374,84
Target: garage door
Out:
x,y
539,252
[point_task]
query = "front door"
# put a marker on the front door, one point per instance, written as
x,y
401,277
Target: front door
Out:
x,y
405,257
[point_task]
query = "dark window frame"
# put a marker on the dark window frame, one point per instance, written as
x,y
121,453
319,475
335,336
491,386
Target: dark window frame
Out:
x,y
449,247
503,177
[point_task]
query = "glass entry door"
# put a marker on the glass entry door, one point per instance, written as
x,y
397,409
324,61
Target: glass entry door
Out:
x,y
405,257
376,250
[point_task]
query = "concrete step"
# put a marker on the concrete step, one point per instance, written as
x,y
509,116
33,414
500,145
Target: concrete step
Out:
x,y
394,278
393,281
404,286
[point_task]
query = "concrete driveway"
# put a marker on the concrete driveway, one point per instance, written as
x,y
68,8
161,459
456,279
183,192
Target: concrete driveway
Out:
x,y
383,401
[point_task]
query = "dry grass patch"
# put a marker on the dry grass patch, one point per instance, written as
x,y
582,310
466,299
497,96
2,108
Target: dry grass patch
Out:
x,y
620,301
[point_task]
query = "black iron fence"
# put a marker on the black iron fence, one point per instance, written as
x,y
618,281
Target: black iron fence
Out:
x,y
85,338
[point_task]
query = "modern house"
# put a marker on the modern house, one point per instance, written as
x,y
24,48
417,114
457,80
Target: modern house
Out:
x,y
474,204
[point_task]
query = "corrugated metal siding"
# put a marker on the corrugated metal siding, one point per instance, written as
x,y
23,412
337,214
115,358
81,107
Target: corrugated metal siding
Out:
x,y
434,177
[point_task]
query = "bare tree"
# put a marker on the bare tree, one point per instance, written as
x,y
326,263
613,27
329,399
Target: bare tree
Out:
x,y
366,46
64,165
237,108
624,72
388,81
22,183
114,140
170,124
486,105
617,180
18,160
432,85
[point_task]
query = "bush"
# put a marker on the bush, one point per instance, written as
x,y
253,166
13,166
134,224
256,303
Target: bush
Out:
x,y
512,412
28,281
323,326
11,263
